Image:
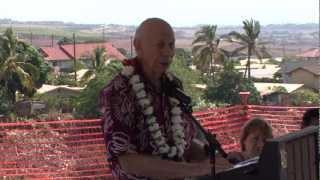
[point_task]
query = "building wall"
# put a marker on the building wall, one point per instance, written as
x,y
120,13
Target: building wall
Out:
x,y
304,77
66,65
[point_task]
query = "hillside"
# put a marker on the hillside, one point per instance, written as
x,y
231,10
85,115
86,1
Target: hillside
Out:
x,y
285,39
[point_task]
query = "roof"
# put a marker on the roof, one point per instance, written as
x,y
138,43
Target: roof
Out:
x,y
258,71
54,53
200,86
312,69
83,50
81,73
268,88
311,53
45,88
312,66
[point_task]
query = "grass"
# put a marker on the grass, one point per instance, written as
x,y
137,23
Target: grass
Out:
x,y
49,30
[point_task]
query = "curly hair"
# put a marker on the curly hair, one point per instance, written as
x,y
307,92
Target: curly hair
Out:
x,y
253,125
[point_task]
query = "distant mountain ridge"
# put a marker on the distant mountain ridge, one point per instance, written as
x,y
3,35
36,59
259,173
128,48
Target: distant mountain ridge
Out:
x,y
119,26
284,39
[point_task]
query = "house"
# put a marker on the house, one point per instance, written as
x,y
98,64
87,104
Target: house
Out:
x,y
310,54
29,107
61,91
259,70
306,72
61,57
276,93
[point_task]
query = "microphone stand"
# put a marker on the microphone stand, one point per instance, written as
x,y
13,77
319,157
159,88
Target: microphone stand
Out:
x,y
174,89
211,138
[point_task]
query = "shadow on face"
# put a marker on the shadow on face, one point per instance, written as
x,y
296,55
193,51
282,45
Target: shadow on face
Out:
x,y
155,46
254,143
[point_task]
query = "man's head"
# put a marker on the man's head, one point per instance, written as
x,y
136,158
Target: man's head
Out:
x,y
254,135
154,43
310,117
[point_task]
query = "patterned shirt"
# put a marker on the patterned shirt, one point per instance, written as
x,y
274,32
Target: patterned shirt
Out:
x,y
124,125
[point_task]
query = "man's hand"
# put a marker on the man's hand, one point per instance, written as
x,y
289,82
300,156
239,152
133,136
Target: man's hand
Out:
x,y
155,167
197,152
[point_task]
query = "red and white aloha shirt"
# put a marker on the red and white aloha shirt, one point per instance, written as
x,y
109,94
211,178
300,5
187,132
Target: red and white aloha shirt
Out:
x,y
124,126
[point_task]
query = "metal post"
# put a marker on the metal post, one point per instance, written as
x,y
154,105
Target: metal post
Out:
x,y
74,57
131,46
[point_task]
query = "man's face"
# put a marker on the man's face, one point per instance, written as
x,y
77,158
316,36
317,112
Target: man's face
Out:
x,y
156,49
254,143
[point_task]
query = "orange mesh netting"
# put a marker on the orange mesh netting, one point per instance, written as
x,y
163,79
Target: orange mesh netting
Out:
x,y
74,149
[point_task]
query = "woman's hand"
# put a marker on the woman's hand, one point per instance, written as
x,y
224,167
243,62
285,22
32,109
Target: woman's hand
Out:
x,y
235,157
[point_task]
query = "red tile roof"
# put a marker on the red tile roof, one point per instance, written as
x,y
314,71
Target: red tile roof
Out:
x,y
65,52
54,53
311,53
85,50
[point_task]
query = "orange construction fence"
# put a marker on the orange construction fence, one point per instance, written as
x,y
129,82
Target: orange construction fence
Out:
x,y
74,149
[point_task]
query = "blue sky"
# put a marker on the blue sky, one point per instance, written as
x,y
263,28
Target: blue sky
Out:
x,y
176,12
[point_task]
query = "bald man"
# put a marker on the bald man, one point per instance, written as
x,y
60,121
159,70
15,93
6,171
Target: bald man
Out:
x,y
147,134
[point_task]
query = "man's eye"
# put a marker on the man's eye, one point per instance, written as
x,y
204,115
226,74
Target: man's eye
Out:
x,y
171,45
160,45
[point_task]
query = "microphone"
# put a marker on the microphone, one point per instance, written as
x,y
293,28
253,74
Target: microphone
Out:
x,y
174,89
179,94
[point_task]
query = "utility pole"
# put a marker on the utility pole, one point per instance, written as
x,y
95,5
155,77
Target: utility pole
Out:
x,y
31,37
283,48
74,57
130,46
52,36
318,59
319,42
103,40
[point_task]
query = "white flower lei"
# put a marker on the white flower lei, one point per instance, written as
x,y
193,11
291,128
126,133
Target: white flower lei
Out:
x,y
177,150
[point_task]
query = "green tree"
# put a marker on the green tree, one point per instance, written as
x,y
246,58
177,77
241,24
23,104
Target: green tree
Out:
x,y
305,97
4,102
98,60
61,79
227,86
65,40
188,77
184,54
205,49
249,40
21,66
86,104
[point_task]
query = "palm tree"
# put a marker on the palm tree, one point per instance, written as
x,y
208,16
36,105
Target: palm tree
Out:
x,y
16,70
98,60
248,40
205,48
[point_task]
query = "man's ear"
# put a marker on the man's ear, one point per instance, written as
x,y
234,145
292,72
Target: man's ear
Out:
x,y
137,45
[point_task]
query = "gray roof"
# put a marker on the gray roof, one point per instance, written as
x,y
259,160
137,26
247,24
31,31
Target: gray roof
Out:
x,y
312,66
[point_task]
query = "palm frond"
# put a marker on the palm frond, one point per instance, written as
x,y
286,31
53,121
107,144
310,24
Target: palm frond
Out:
x,y
86,77
237,50
199,39
32,70
257,53
197,49
25,79
256,29
241,37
